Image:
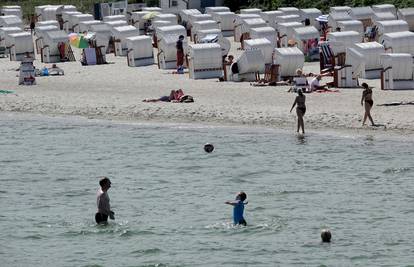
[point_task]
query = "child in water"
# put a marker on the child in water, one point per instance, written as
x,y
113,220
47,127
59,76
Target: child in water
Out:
x,y
238,208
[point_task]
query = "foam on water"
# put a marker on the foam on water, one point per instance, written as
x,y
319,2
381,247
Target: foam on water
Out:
x,y
168,195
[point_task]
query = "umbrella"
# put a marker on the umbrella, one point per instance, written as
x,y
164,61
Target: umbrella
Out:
x,y
150,15
78,40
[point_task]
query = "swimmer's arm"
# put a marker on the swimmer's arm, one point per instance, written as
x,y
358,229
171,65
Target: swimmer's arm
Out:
x,y
230,203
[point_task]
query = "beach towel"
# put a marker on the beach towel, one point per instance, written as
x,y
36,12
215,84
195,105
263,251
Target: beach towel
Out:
x,y
90,56
5,92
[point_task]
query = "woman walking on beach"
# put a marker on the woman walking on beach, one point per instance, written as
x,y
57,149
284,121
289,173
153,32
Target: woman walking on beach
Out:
x,y
300,109
367,99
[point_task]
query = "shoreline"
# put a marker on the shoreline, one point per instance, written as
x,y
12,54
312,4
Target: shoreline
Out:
x,y
115,92
337,132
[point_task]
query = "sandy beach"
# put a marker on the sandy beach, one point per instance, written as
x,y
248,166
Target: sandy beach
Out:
x,y
116,91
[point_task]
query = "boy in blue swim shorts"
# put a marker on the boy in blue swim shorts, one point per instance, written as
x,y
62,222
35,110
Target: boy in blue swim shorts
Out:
x,y
238,208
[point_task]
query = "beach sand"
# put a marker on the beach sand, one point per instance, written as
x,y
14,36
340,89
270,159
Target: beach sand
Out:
x,y
116,91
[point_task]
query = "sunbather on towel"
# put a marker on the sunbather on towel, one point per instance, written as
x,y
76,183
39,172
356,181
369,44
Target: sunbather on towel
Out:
x,y
55,70
175,96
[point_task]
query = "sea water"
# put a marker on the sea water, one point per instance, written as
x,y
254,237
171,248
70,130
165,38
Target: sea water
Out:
x,y
168,196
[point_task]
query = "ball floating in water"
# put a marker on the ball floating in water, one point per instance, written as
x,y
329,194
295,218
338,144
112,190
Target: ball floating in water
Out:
x,y
208,148
326,235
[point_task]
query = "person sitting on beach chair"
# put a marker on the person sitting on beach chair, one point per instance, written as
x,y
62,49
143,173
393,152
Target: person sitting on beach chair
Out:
x,y
300,82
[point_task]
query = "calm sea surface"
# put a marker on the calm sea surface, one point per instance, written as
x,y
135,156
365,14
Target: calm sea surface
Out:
x,y
168,196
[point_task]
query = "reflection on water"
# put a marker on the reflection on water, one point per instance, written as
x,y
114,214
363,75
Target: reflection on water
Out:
x,y
168,195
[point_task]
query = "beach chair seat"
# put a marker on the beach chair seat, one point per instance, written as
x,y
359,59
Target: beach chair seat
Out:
x,y
300,83
328,60
3,53
371,33
271,73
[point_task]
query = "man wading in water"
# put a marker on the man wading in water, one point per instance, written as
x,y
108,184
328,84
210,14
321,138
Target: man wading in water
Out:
x,y
102,201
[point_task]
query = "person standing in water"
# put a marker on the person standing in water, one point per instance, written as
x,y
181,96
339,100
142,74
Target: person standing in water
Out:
x,y
238,208
300,109
367,99
102,202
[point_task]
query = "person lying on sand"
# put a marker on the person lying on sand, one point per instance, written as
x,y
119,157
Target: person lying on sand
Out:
x,y
263,82
176,96
55,71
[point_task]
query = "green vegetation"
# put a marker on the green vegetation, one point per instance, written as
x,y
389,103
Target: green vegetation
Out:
x,y
320,4
82,5
87,5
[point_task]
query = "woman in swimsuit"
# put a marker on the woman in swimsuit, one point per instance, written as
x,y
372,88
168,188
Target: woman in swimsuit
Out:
x,y
300,109
367,99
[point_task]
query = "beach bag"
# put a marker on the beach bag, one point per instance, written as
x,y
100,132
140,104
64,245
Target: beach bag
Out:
x,y
186,99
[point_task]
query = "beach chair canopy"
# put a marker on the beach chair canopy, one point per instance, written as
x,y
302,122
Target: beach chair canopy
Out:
x,y
339,41
264,32
251,11
351,25
399,42
142,46
215,9
41,30
371,52
50,13
22,42
262,44
251,61
270,16
114,18
361,13
152,9
385,8
340,9
225,20
173,30
172,18
55,37
289,11
185,13
305,33
401,64
380,16
388,26
11,21
46,23
407,14
289,59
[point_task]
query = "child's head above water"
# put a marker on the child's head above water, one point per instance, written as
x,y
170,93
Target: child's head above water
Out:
x,y
241,196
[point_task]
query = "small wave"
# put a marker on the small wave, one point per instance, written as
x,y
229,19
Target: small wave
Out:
x,y
154,265
398,170
11,161
288,192
147,251
34,237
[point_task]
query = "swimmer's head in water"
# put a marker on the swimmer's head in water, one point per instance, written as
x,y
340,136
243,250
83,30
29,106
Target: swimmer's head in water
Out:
x,y
326,235
241,196
208,148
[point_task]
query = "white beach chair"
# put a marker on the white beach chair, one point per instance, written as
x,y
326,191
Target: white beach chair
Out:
x,y
204,61
397,72
140,51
